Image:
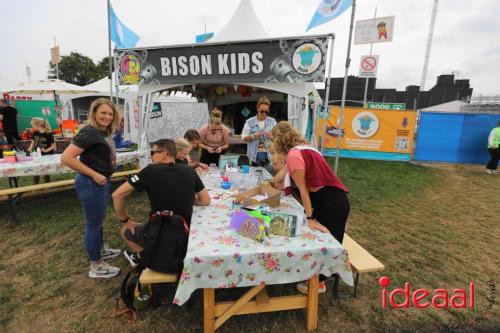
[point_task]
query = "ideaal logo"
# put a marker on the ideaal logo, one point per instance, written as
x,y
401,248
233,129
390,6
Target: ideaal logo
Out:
x,y
479,317
307,58
422,298
130,67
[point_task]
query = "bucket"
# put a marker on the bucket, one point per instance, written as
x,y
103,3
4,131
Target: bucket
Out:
x,y
9,156
21,156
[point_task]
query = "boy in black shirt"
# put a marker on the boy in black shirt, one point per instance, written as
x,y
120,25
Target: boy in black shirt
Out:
x,y
170,186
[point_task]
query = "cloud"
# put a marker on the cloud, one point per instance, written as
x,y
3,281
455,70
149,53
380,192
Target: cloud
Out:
x,y
465,39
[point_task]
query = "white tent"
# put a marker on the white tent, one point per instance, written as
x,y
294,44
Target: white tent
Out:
x,y
244,25
453,106
102,85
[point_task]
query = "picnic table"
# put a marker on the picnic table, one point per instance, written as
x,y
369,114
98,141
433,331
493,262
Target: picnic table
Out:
x,y
218,257
51,165
46,165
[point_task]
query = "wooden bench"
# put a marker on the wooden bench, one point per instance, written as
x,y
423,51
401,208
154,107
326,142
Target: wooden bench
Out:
x,y
13,194
361,262
149,276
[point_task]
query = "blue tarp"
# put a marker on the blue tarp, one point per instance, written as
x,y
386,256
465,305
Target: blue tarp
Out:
x,y
454,137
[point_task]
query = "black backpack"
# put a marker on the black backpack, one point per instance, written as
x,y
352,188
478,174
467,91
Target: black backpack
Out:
x,y
166,238
166,242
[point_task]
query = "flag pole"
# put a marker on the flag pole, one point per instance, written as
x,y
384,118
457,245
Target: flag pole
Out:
x,y
429,45
344,89
115,74
110,73
326,99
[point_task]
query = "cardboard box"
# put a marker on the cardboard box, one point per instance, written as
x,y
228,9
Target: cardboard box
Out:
x,y
273,196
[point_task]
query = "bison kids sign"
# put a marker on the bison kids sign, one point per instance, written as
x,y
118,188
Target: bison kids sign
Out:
x,y
265,61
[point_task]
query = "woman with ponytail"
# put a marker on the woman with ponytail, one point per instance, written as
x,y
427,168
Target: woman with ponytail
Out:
x,y
43,139
323,195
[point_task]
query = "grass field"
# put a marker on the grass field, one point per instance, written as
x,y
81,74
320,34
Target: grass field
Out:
x,y
435,226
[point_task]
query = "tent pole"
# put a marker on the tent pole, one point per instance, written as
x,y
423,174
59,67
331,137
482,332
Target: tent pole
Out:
x,y
327,97
57,118
344,89
367,79
110,68
115,74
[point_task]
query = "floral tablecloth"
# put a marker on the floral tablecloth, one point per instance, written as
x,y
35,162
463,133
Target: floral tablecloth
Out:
x,y
218,257
51,165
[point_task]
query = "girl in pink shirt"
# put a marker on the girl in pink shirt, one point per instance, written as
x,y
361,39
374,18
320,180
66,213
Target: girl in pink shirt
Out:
x,y
214,138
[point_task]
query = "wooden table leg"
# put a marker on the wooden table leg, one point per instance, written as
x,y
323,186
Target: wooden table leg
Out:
x,y
312,303
209,310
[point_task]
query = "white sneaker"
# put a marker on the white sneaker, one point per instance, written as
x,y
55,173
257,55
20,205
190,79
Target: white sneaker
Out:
x,y
103,270
304,288
109,253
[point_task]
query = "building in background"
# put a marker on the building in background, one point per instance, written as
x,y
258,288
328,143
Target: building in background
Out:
x,y
446,89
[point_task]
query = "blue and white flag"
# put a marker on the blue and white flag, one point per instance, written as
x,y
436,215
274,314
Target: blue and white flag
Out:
x,y
328,10
204,37
122,36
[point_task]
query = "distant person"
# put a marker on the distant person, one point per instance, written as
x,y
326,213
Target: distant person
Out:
x,y
118,137
193,137
94,147
184,147
494,150
4,144
257,133
170,186
9,116
214,138
3,139
43,139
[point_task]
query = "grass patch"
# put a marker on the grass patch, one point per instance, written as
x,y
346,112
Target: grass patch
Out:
x,y
434,226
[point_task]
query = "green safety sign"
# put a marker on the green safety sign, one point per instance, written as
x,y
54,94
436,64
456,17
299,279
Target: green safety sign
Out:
x,y
386,106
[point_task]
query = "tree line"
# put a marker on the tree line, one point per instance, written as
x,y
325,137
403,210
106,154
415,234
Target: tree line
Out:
x,y
79,69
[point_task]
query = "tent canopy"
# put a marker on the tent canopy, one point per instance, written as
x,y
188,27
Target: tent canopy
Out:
x,y
243,25
50,86
102,85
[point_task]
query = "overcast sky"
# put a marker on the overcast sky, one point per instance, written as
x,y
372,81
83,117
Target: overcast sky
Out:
x,y
466,36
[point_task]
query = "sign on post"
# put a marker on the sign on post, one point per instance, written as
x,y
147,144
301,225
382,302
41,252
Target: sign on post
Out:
x,y
376,30
386,106
55,57
368,66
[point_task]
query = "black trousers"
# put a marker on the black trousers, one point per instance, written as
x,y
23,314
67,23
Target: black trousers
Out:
x,y
11,134
209,158
331,208
495,157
